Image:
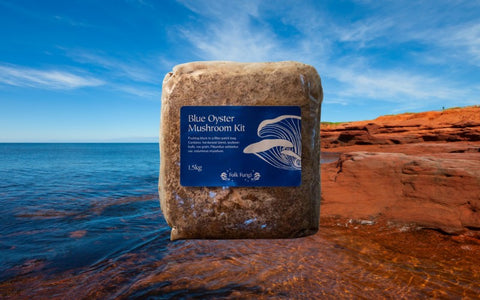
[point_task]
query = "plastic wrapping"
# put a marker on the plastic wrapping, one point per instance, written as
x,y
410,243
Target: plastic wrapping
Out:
x,y
239,209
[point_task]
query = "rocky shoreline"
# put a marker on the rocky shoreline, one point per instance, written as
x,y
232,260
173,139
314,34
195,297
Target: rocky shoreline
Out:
x,y
416,170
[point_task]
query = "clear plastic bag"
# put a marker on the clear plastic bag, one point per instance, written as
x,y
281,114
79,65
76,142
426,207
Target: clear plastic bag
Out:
x,y
219,179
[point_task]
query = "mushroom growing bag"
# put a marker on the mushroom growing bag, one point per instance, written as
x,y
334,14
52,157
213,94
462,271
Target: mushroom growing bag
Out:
x,y
240,150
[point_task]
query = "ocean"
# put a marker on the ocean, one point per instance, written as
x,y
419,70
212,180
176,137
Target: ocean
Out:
x,y
72,205
84,221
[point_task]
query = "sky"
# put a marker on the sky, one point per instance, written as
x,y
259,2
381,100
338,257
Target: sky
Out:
x,y
92,71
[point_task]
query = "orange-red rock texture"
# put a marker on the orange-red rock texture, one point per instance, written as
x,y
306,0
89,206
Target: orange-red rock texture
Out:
x,y
420,170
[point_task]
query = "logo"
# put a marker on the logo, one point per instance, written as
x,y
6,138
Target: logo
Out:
x,y
282,143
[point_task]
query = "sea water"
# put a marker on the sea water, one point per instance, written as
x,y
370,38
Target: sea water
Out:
x,y
83,221
71,205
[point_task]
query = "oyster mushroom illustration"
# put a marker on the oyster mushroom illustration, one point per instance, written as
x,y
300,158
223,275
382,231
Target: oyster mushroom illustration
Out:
x,y
282,146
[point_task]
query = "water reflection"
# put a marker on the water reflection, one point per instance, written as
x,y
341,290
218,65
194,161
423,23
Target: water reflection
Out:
x,y
370,261
83,221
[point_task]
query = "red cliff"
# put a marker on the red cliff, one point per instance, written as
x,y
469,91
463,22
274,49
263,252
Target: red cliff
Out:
x,y
451,125
414,169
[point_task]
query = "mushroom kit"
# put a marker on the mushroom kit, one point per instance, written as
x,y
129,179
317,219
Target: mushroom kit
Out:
x,y
240,150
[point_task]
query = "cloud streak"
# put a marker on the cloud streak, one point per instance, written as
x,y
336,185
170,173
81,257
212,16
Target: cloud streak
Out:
x,y
45,79
141,78
142,92
118,68
231,33
465,39
392,86
346,50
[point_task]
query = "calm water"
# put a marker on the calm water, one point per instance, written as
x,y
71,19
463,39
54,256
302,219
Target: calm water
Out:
x,y
83,221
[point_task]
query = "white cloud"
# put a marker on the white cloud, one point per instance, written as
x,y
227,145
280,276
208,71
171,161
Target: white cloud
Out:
x,y
141,78
241,31
140,91
119,68
223,9
231,34
464,39
356,56
393,86
335,100
233,42
45,79
364,31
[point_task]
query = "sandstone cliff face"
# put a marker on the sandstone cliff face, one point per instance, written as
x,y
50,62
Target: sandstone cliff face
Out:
x,y
432,192
421,169
452,125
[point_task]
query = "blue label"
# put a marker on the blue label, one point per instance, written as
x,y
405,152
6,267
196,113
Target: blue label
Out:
x,y
240,146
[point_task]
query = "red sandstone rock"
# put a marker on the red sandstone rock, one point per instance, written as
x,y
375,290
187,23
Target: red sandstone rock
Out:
x,y
421,169
431,192
452,125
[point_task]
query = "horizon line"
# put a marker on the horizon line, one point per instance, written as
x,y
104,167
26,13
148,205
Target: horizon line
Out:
x,y
92,141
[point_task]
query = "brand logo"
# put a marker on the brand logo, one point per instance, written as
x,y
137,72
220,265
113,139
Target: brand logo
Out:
x,y
245,176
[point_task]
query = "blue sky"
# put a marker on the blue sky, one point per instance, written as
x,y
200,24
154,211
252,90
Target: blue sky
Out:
x,y
92,70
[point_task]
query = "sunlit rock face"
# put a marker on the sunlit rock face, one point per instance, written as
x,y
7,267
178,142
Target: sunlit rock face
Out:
x,y
421,169
451,125
432,192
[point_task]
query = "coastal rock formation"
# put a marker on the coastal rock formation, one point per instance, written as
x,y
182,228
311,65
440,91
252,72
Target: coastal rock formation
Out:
x,y
451,125
416,169
431,192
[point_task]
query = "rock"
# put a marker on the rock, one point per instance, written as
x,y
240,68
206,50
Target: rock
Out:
x,y
451,125
440,191
414,169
